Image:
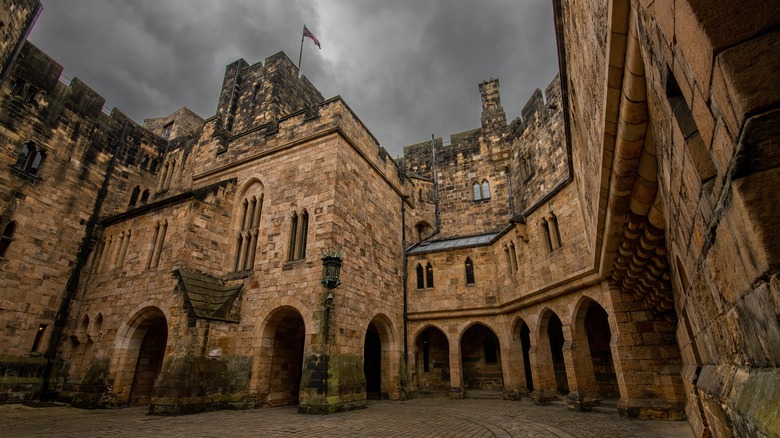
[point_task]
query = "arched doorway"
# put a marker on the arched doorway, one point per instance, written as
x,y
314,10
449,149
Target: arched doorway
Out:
x,y
555,335
432,360
481,359
525,346
153,333
599,335
283,361
372,363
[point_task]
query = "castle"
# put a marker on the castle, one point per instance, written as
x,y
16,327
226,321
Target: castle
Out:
x,y
617,239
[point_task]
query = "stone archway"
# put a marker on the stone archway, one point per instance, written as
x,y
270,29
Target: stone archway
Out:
x,y
593,327
281,358
521,336
432,359
555,336
551,368
381,357
372,363
150,360
481,359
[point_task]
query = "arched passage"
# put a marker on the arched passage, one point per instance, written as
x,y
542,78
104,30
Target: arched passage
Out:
x,y
380,359
555,335
591,329
372,363
281,358
481,359
522,336
432,359
145,342
551,367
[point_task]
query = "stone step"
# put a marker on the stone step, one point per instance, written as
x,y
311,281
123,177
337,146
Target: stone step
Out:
x,y
481,394
429,392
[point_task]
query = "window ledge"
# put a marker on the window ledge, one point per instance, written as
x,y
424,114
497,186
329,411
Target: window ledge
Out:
x,y
240,274
482,201
292,263
24,175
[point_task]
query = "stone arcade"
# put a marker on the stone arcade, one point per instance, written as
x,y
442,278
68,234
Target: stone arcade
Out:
x,y
616,240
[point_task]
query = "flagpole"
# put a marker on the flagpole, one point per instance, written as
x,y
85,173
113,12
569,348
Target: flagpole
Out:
x,y
300,54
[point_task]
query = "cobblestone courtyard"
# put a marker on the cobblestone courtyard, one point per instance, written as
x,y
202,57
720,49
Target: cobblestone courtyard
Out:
x,y
422,417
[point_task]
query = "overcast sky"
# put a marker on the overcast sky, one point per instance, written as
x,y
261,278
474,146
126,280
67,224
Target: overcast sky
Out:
x,y
408,68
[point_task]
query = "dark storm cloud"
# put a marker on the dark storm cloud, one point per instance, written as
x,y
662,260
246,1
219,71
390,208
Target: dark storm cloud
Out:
x,y
408,68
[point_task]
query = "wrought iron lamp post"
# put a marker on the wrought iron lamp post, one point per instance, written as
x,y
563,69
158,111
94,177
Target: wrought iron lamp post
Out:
x,y
331,265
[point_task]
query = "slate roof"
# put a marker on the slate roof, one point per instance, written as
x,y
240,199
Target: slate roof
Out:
x,y
207,296
460,242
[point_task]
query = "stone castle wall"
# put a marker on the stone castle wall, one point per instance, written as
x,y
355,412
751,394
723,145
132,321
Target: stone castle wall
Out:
x,y
539,155
261,93
17,18
706,75
660,226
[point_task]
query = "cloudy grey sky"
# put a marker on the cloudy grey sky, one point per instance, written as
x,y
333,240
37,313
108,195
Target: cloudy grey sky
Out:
x,y
408,68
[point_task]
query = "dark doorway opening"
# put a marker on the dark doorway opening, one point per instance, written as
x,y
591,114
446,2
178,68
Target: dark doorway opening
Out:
x,y
149,363
287,358
432,360
525,344
481,359
555,333
372,363
599,336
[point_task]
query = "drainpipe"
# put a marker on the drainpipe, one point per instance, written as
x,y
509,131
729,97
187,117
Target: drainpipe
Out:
x,y
403,276
61,320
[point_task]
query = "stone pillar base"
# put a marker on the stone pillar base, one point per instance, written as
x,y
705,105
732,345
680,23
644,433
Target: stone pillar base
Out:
x,y
512,394
543,398
456,393
582,402
651,409
332,383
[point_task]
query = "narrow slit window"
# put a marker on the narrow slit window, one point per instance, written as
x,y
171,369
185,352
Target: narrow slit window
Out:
x,y
420,277
293,232
546,235
429,276
38,338
303,235
513,257
134,196
555,232
469,271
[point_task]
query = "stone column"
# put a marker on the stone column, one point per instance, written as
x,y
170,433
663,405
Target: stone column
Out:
x,y
456,373
646,358
512,367
579,369
543,371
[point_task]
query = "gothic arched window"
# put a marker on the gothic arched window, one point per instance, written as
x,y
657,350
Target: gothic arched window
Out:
x,y
30,159
248,229
6,238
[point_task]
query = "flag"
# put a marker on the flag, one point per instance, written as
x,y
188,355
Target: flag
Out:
x,y
307,33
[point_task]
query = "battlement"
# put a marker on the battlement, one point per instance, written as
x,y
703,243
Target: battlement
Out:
x,y
538,103
182,122
263,92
